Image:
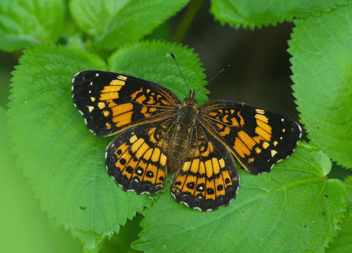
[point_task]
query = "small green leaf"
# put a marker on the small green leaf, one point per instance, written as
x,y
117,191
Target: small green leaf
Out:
x,y
25,23
114,23
343,241
91,241
321,64
152,61
291,209
257,13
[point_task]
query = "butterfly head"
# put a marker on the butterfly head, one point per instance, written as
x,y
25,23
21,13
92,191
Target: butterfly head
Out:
x,y
190,100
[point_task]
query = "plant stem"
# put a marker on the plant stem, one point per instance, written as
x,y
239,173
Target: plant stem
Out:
x,y
187,19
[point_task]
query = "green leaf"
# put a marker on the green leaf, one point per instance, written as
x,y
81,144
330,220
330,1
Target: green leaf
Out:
x,y
343,242
257,13
321,64
293,208
114,23
348,185
30,22
64,161
21,218
91,241
152,61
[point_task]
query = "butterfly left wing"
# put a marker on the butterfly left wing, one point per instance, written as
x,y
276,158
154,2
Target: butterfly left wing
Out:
x,y
258,138
111,102
209,177
136,158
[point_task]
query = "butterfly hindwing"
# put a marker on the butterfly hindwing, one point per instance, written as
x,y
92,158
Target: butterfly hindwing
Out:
x,y
209,177
137,157
258,138
111,102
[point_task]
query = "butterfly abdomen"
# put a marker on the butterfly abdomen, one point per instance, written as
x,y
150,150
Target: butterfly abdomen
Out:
x,y
178,149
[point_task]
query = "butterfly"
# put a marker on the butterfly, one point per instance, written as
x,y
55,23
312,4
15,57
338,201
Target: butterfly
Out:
x,y
161,135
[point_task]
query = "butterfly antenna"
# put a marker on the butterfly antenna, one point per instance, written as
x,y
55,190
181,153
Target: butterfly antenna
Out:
x,y
221,70
173,56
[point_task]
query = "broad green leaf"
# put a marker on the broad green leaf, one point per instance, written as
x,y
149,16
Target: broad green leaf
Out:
x,y
294,208
30,22
343,241
249,13
114,23
64,161
321,64
21,218
152,61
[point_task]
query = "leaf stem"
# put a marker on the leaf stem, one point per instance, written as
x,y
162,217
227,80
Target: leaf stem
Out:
x,y
187,19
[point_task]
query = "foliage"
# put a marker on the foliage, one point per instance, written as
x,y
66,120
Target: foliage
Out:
x,y
293,208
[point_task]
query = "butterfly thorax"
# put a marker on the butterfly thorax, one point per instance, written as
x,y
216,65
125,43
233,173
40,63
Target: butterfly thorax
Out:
x,y
181,137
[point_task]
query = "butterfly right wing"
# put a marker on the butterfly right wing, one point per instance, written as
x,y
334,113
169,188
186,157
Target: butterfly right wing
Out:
x,y
258,138
111,102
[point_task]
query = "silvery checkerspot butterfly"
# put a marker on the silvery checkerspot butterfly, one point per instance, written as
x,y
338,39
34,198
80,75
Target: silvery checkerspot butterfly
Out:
x,y
160,135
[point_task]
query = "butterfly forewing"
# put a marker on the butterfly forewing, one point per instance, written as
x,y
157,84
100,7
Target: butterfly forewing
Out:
x,y
111,102
258,138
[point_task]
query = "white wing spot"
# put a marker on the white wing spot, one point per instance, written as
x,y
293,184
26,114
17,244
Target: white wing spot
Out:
x,y
273,152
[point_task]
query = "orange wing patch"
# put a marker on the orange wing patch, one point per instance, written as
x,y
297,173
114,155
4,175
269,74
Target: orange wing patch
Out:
x,y
258,138
137,166
111,91
111,102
